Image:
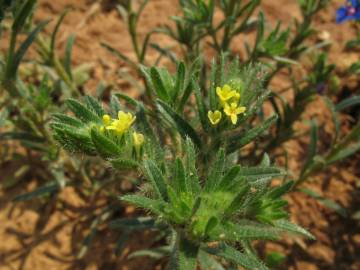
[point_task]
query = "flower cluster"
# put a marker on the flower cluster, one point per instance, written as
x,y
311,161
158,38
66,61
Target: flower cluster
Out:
x,y
122,125
351,11
229,100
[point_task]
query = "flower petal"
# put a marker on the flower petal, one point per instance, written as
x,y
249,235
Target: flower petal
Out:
x,y
234,119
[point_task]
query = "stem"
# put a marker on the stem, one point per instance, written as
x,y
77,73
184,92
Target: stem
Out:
x,y
185,253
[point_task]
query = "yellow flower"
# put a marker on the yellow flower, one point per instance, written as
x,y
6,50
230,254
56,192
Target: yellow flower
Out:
x,y
106,119
214,117
225,94
233,110
236,97
138,139
122,124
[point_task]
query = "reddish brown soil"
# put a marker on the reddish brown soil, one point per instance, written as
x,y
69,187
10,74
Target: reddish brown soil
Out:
x,y
46,234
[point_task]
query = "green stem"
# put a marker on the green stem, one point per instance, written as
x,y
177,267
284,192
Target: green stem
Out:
x,y
185,253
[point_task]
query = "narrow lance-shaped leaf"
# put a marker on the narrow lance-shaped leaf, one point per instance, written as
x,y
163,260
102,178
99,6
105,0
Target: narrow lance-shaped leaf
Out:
x,y
192,179
184,127
155,176
228,178
200,105
22,15
68,120
143,202
94,105
80,111
54,34
292,228
159,85
180,177
346,103
180,81
39,192
239,141
215,171
312,149
213,81
68,53
105,146
247,261
24,47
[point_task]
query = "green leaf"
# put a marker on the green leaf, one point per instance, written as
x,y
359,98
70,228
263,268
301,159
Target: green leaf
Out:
x,y
344,153
94,105
213,81
275,259
184,128
81,112
128,99
348,102
280,191
200,105
180,81
22,136
184,98
154,206
67,120
115,105
245,260
22,15
244,230
105,147
254,174
292,228
4,113
179,178
54,33
118,54
38,192
68,55
335,117
228,178
122,163
207,262
154,253
25,46
216,171
312,149
137,223
238,200
241,140
73,140
156,178
326,202
212,223
159,85
192,179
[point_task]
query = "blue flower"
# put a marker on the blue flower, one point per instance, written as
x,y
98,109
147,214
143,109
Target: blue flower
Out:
x,y
351,11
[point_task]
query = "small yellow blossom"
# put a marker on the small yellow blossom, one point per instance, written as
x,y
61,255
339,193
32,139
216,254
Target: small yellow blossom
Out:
x,y
106,119
214,117
138,139
225,94
236,97
233,110
122,124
